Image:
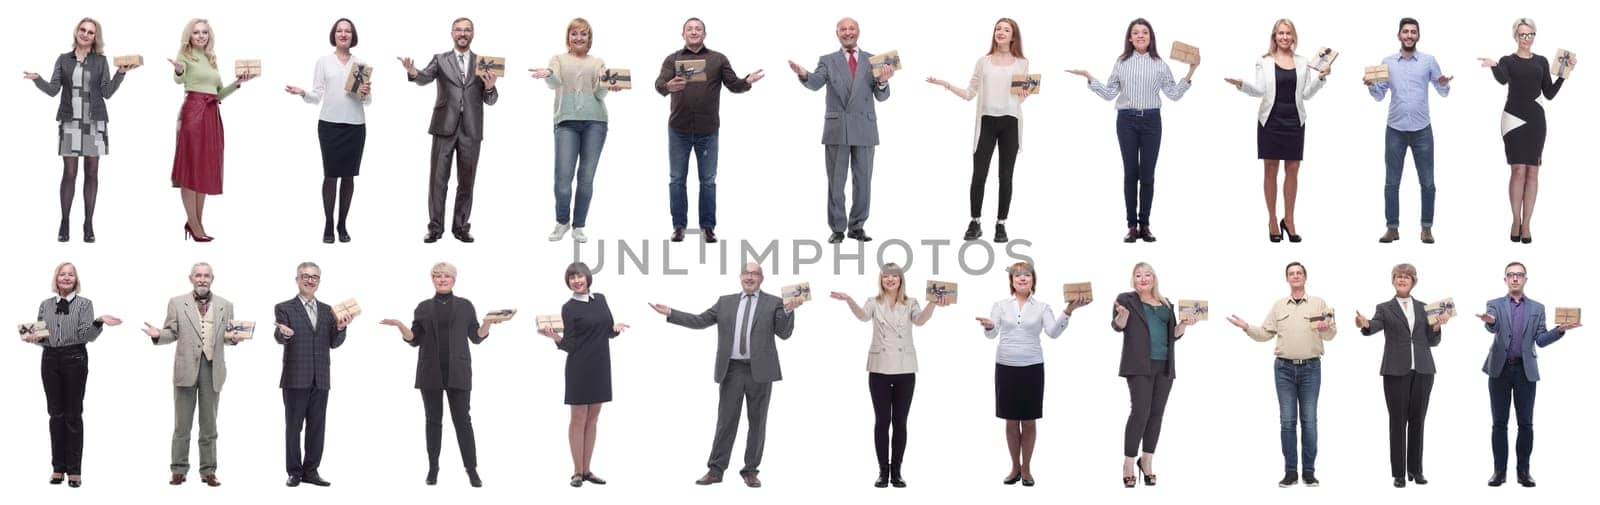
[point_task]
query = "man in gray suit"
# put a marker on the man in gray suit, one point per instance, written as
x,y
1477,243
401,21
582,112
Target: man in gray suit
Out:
x,y
745,366
196,322
849,126
1517,323
457,127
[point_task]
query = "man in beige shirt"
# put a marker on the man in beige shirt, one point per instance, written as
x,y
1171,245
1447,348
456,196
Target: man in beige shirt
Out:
x,y
1300,324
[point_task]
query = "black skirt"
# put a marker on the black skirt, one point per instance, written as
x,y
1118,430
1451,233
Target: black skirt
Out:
x,y
342,145
1283,137
1019,392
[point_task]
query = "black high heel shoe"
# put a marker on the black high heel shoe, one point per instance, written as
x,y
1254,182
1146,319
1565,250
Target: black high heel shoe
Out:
x,y
433,475
1283,224
344,236
88,232
327,233
1012,479
1129,481
1417,478
62,236
1149,478
57,479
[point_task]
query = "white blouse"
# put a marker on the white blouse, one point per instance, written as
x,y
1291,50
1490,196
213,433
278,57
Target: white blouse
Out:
x,y
991,85
327,87
1019,330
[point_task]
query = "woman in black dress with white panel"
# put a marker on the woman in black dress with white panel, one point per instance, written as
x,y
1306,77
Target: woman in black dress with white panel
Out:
x,y
587,330
1522,127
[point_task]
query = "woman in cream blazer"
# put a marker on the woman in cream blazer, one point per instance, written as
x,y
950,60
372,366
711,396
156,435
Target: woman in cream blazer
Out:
x,y
1280,124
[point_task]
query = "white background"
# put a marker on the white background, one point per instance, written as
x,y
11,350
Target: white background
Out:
x,y
1221,427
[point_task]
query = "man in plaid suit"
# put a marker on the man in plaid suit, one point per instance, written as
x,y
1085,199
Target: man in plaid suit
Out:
x,y
308,329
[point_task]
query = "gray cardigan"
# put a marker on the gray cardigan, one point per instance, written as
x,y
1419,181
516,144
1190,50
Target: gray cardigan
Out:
x,y
76,327
97,72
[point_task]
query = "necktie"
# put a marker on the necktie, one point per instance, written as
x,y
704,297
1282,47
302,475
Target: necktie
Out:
x,y
852,54
749,322
311,314
461,59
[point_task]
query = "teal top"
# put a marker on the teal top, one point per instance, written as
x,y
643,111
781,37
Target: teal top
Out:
x,y
574,78
1156,319
201,77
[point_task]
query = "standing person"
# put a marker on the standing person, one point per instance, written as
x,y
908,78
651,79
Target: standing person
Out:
x,y
342,124
197,161
999,121
1150,329
1518,324
88,80
693,126
1019,364
1300,324
587,330
309,331
441,327
64,368
456,127
1407,369
196,321
891,365
1410,73
580,118
1522,126
746,364
1283,82
1139,75
849,127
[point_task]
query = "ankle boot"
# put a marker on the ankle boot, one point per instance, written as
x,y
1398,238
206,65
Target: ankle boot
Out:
x,y
883,477
894,475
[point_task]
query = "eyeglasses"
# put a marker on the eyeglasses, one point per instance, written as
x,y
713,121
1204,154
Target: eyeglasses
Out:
x,y
1516,275
1526,36
311,277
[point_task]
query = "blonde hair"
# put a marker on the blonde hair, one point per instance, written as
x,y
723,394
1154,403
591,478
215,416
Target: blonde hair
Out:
x,y
77,282
1521,22
1405,269
1272,39
899,296
99,45
185,46
574,24
1021,268
443,267
1155,282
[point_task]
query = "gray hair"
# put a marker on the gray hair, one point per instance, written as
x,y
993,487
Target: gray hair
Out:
x,y
307,264
197,266
443,266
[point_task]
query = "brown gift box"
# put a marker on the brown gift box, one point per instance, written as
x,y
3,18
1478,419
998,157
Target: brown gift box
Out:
x,y
242,68
359,74
1445,306
1185,53
38,328
499,316
1323,58
1560,68
242,330
1377,73
938,290
552,323
620,77
490,65
886,59
1025,82
801,291
1078,290
1569,315
132,59
347,309
691,70
1200,309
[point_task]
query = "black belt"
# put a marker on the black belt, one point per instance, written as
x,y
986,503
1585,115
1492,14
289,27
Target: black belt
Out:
x,y
1299,361
66,349
1513,361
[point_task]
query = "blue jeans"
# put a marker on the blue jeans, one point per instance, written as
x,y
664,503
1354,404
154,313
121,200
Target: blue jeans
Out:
x,y
578,145
1139,136
704,146
1394,158
1298,387
1512,384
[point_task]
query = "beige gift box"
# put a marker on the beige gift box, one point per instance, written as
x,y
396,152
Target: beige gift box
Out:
x,y
801,292
347,309
1074,291
1377,73
359,74
499,316
1185,53
490,65
125,60
1562,68
548,322
1200,310
241,330
1324,58
691,70
1025,82
1445,306
1568,315
938,290
886,59
620,77
243,68
38,328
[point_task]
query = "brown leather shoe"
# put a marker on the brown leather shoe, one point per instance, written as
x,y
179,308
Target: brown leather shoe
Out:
x,y
211,480
177,479
751,480
709,479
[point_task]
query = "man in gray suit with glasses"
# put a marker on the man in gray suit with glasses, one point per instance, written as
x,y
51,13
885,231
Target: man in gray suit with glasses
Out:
x,y
746,365
457,127
849,126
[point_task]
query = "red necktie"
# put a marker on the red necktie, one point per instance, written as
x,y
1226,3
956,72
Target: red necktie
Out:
x,y
852,53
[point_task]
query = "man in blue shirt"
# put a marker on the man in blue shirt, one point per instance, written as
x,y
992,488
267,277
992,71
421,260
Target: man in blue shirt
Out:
x,y
1410,73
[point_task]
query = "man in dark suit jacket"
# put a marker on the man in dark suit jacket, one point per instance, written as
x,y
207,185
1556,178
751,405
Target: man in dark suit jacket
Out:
x,y
1407,370
1517,323
746,365
849,127
457,127
308,330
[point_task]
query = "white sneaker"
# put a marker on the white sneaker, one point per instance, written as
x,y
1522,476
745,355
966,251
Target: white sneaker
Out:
x,y
577,235
560,231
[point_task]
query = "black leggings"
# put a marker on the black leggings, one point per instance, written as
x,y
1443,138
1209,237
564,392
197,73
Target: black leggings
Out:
x,y
992,130
891,402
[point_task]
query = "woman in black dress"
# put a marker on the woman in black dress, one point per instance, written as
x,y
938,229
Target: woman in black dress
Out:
x,y
1284,82
587,330
1526,76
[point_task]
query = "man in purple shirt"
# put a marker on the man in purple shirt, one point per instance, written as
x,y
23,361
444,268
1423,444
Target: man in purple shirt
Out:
x,y
1410,73
1517,323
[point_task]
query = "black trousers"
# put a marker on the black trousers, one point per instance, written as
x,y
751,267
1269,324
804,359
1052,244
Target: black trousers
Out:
x,y
1407,399
891,403
993,130
1147,395
460,405
65,371
308,409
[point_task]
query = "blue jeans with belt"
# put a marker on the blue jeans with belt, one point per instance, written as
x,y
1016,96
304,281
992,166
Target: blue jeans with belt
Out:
x,y
1394,156
1139,136
577,147
1298,388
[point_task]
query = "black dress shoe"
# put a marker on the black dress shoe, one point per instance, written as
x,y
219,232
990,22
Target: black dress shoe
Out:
x,y
472,473
433,474
1027,482
710,236
315,480
327,233
1012,479
1417,478
1311,479
294,481
1133,235
431,237
1145,235
594,479
463,236
1289,479
1525,479
57,479
577,481
836,238
859,234
344,235
677,234
708,479
1000,236
88,232
1399,482
974,231
750,479
1497,479
73,483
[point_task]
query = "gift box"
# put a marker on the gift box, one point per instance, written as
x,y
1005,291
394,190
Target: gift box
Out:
x,y
1200,310
490,65
499,316
1568,315
619,77
1025,83
123,61
1323,58
347,309
552,323
691,70
1185,53
1562,67
1441,307
37,328
889,59
1075,291
800,292
941,291
1376,74
246,68
359,74
240,330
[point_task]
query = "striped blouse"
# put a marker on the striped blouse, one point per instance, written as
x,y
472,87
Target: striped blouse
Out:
x,y
1135,81
75,327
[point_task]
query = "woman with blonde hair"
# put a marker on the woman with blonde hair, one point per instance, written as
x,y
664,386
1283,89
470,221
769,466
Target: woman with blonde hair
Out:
x,y
1522,125
1284,82
1150,330
581,82
71,324
891,364
197,160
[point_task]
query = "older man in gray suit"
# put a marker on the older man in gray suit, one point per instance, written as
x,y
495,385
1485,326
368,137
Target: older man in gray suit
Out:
x,y
457,127
746,365
196,322
849,127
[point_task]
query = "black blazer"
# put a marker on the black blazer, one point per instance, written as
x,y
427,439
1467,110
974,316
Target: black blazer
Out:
x,y
1401,343
429,336
1136,338
306,354
98,79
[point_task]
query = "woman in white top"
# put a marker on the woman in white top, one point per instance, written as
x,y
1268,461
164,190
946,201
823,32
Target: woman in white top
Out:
x,y
1019,364
891,364
999,120
342,83
1283,82
581,81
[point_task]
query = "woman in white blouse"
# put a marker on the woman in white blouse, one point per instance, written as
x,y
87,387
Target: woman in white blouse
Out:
x,y
1019,364
999,120
342,83
891,364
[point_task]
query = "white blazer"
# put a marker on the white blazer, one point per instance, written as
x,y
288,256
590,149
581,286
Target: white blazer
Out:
x,y
1308,81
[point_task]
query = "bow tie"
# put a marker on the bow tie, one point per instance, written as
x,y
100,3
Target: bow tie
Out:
x,y
1297,301
61,306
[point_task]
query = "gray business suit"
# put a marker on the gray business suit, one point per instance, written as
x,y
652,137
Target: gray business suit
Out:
x,y
849,132
742,380
196,381
457,129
